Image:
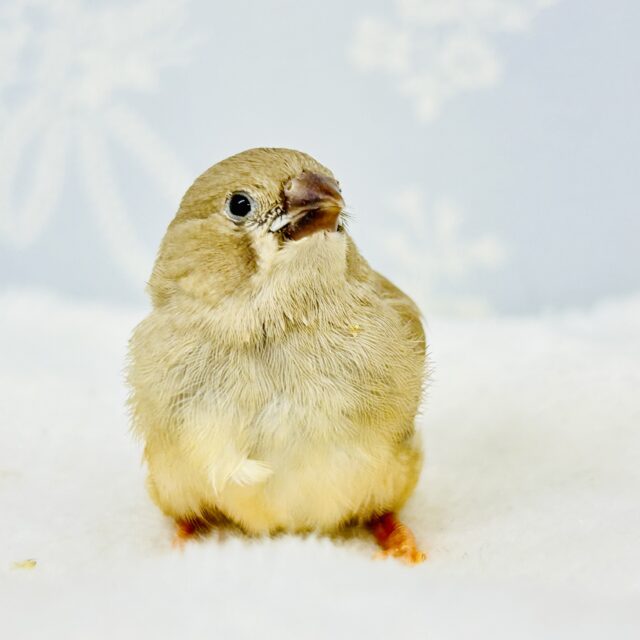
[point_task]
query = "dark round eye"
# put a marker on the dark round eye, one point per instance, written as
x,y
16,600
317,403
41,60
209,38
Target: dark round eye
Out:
x,y
239,206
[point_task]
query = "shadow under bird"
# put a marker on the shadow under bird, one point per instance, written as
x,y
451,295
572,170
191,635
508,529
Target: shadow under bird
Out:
x,y
276,381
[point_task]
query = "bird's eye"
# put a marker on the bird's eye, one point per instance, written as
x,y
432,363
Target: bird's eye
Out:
x,y
239,206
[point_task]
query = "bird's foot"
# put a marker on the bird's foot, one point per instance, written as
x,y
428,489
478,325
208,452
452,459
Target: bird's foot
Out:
x,y
185,530
396,539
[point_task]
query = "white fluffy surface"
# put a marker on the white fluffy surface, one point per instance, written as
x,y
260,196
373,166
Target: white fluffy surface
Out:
x,y
529,505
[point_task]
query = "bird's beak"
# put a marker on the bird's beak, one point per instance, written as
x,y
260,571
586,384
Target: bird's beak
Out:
x,y
312,203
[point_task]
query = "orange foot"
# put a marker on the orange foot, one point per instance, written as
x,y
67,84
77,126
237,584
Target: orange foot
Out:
x,y
186,530
396,539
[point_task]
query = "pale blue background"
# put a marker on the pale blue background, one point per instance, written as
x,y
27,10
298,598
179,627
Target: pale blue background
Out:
x,y
544,163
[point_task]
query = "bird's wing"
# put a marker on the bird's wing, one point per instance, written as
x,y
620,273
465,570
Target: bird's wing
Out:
x,y
405,306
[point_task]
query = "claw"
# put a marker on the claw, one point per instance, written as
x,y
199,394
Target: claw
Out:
x,y
185,530
396,539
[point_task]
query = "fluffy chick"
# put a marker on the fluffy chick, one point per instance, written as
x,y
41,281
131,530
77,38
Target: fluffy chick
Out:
x,y
276,381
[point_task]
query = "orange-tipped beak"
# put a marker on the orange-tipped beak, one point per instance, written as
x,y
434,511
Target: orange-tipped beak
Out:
x,y
312,203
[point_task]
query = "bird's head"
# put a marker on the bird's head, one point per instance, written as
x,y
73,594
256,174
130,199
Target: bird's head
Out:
x,y
246,220
267,191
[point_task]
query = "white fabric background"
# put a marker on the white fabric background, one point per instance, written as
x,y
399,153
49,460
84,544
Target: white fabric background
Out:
x,y
528,505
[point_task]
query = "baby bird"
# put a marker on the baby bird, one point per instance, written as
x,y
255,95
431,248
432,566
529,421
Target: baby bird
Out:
x,y
276,381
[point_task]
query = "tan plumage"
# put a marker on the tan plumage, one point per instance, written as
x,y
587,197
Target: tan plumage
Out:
x,y
276,381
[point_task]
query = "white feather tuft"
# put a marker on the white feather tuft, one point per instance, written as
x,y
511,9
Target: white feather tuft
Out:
x,y
250,472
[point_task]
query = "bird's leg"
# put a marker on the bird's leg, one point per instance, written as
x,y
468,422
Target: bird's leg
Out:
x,y
396,539
186,529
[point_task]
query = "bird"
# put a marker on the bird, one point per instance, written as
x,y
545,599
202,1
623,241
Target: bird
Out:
x,y
275,382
